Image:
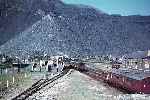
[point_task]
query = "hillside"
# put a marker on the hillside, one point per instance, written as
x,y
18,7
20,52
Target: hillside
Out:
x,y
75,30
17,15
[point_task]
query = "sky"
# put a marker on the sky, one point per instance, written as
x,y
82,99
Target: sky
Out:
x,y
123,7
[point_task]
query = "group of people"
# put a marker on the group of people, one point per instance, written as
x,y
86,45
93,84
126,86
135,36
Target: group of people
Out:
x,y
55,66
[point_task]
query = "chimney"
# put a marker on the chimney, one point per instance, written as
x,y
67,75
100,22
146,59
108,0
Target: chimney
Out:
x,y
148,54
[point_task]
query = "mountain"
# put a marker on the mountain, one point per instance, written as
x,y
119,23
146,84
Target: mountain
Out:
x,y
59,28
17,15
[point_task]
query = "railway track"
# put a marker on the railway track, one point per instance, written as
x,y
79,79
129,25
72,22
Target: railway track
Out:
x,y
38,86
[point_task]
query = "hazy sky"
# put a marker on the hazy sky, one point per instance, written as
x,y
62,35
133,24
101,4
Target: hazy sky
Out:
x,y
123,7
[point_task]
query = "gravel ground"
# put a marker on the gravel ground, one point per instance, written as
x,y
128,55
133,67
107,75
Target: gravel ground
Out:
x,y
77,86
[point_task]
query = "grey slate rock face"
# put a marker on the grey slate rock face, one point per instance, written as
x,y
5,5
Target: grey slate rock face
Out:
x,y
77,30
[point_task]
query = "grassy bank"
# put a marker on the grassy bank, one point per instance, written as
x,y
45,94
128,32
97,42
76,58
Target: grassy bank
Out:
x,y
8,81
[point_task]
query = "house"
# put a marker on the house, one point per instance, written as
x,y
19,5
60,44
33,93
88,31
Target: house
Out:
x,y
137,60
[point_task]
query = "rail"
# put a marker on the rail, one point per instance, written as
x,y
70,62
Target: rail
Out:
x,y
38,86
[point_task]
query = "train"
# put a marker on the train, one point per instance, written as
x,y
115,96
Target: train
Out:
x,y
130,80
